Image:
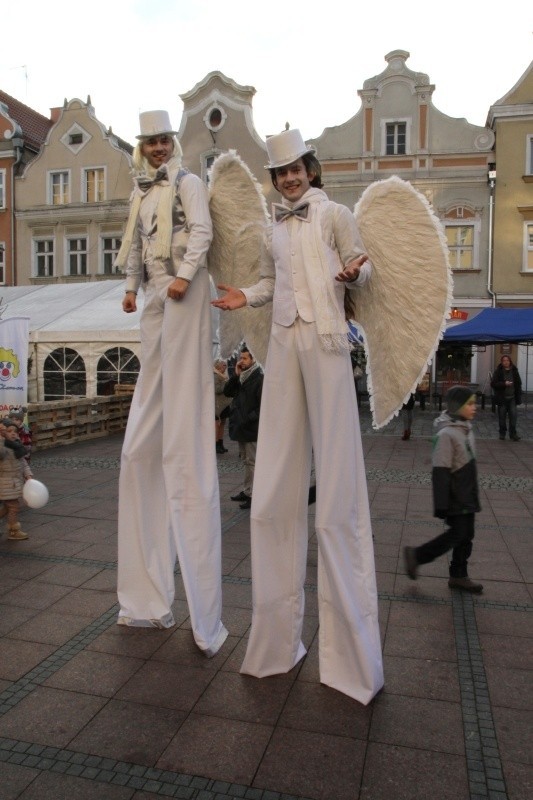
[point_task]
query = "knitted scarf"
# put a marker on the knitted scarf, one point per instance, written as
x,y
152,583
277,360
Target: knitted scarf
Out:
x,y
164,211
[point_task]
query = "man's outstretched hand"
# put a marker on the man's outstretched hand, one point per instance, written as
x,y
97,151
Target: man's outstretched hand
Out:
x,y
232,299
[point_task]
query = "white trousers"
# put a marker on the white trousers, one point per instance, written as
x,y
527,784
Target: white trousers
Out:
x,y
308,405
168,489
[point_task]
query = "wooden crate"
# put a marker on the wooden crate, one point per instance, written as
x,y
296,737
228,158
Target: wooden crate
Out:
x,y
63,422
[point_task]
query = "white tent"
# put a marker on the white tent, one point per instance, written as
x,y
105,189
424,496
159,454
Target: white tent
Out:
x,y
85,317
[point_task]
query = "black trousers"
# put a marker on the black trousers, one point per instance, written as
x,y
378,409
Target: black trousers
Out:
x,y
458,537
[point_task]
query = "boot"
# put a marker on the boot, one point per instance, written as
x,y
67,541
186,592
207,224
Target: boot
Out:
x,y
220,447
466,585
406,435
15,533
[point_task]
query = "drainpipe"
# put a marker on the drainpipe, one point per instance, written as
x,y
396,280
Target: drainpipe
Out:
x,y
492,183
18,144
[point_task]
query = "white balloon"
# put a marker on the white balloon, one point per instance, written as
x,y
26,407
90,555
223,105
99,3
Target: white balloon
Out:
x,y
35,493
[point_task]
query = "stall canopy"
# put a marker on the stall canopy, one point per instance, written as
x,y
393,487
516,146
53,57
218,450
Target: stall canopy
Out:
x,y
494,325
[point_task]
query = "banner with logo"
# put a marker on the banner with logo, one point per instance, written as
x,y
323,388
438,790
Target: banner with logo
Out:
x,y
14,337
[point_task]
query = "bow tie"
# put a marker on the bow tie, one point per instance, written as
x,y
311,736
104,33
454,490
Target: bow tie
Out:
x,y
144,182
281,212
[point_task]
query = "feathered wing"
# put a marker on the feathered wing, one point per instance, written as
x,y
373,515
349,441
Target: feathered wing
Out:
x,y
239,215
403,308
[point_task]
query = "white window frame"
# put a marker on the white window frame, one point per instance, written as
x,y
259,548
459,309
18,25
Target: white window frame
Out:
x,y
86,170
529,154
396,121
207,162
528,246
79,253
103,252
50,188
48,253
2,188
2,263
466,223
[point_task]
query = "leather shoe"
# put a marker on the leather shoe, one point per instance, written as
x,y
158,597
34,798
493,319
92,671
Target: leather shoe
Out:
x,y
247,503
466,585
239,498
411,564
515,438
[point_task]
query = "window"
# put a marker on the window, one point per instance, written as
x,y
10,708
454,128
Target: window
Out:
x,y
2,263
75,138
529,155
118,365
110,248
59,188
94,185
77,256
64,374
43,258
2,188
208,162
395,138
460,240
528,249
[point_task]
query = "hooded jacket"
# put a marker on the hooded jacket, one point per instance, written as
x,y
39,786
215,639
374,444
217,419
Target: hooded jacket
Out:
x,y
454,474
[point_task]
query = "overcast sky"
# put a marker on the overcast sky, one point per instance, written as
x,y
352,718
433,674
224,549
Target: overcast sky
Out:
x,y
306,60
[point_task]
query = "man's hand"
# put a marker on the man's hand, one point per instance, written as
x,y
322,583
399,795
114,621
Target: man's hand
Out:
x,y
351,270
129,303
233,298
178,289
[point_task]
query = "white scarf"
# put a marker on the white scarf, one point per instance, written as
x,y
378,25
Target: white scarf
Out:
x,y
247,373
164,212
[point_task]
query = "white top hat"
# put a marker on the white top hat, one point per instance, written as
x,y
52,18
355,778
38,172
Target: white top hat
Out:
x,y
286,147
154,123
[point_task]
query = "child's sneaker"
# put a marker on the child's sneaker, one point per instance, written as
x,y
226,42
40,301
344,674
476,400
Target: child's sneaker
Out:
x,y
15,533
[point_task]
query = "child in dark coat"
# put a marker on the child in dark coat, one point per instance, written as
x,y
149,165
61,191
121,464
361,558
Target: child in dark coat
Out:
x,y
455,491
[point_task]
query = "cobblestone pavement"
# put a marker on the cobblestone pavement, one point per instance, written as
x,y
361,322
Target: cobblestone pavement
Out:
x,y
94,710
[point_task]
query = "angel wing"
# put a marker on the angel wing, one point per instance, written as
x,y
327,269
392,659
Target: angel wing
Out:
x,y
403,308
239,214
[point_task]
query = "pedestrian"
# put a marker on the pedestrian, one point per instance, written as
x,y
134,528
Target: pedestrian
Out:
x,y
455,491
312,252
14,472
507,386
20,418
220,375
168,488
245,387
407,416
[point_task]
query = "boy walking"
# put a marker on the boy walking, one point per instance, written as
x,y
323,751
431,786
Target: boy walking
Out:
x,y
455,491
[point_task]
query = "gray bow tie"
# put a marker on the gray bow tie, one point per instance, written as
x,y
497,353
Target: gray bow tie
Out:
x,y
144,182
281,212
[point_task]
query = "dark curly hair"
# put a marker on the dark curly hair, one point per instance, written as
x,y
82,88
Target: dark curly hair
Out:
x,y
312,167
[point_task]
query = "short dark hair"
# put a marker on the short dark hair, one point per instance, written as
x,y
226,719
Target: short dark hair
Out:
x,y
311,164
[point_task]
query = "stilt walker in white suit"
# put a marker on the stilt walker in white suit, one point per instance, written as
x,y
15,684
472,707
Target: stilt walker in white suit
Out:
x,y
168,490
313,250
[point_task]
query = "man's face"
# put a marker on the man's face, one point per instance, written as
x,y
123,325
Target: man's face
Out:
x,y
157,149
246,361
292,181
